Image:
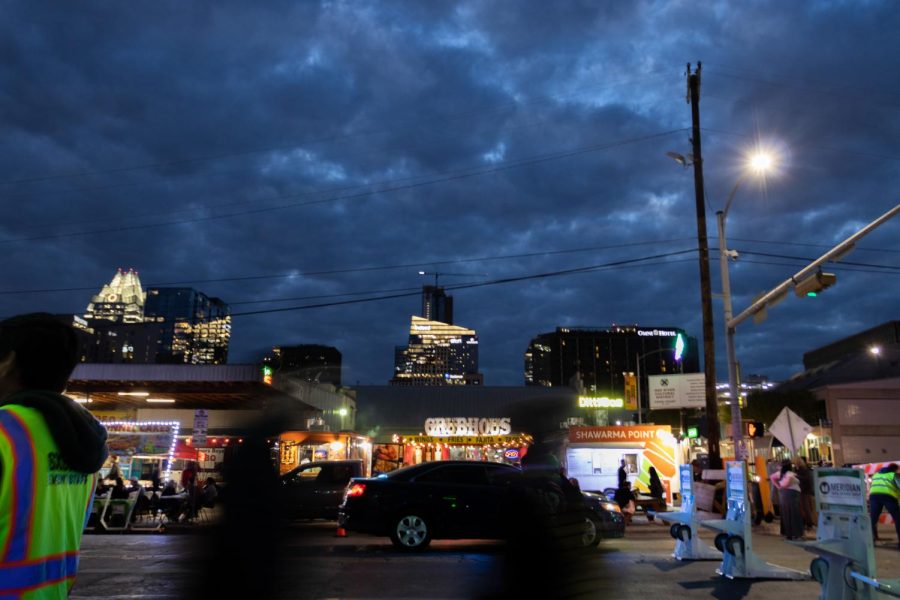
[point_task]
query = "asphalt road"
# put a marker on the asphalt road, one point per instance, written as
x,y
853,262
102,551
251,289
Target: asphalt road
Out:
x,y
313,563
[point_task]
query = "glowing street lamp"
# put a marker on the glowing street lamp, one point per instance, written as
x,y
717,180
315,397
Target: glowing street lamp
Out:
x,y
758,164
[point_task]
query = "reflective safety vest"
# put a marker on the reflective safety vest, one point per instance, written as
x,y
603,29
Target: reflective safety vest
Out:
x,y
884,483
44,507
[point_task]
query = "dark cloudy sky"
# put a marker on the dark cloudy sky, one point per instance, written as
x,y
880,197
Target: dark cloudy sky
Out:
x,y
333,148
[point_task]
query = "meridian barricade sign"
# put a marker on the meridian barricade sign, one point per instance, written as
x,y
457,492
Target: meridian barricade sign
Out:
x,y
843,536
840,490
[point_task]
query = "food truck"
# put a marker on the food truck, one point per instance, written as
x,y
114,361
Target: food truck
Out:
x,y
594,455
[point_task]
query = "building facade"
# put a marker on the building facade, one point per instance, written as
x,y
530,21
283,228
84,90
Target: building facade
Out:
x,y
197,327
871,341
160,325
309,362
119,301
437,305
600,357
437,354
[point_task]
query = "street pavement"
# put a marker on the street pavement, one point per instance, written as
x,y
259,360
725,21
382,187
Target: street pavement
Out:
x,y
313,563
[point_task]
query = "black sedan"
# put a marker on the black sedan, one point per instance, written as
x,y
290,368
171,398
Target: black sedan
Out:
x,y
466,500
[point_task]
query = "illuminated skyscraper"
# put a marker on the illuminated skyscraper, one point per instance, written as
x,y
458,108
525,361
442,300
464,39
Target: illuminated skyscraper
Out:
x,y
161,325
120,301
437,354
601,356
198,328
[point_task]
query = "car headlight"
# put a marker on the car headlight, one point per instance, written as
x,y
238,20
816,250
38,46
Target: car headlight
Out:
x,y
611,507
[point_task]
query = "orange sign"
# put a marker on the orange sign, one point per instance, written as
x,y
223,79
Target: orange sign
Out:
x,y
620,433
631,399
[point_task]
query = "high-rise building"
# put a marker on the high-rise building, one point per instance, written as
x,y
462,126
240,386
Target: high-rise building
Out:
x,y
120,301
436,305
161,325
437,354
198,328
599,357
309,362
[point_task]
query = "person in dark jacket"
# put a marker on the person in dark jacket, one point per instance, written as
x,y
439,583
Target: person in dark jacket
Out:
x,y
656,487
807,494
52,445
622,473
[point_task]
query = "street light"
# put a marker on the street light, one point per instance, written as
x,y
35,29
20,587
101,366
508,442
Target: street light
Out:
x,y
759,164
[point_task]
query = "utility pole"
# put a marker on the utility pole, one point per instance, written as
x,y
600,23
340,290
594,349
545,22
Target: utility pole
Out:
x,y
709,351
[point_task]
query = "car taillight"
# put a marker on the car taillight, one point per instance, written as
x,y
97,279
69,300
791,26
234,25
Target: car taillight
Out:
x,y
356,490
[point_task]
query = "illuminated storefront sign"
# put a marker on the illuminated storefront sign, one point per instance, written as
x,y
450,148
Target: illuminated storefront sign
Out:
x,y
592,402
469,440
462,426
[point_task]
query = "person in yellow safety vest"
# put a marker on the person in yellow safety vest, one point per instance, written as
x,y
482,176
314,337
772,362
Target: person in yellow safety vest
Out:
x,y
883,493
50,450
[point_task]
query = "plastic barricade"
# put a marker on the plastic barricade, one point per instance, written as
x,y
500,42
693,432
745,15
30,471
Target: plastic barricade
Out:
x,y
843,538
685,524
735,538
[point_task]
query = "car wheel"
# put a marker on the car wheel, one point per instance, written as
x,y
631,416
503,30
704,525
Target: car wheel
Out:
x,y
411,532
590,534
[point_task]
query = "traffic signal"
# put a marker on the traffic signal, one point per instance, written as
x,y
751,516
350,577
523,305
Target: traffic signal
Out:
x,y
754,429
812,285
267,374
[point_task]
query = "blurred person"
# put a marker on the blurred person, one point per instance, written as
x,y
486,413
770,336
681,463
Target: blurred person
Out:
x,y
883,494
656,487
622,473
119,491
626,500
114,469
51,450
696,470
789,495
244,549
209,494
807,494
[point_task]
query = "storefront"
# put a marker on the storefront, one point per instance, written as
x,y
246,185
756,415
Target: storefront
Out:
x,y
453,438
294,448
145,448
594,454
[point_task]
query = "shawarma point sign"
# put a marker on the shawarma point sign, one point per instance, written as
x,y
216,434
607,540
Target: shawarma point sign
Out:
x,y
841,490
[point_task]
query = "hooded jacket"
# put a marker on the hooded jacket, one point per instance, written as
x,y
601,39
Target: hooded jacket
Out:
x,y
80,436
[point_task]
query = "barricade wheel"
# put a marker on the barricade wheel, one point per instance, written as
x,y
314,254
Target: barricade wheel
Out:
x,y
818,568
731,542
673,530
684,533
720,541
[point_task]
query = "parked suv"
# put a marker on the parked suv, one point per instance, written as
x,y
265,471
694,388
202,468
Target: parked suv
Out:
x,y
316,489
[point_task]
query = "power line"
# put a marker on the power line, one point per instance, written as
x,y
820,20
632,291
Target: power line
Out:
x,y
502,281
344,270
808,259
455,177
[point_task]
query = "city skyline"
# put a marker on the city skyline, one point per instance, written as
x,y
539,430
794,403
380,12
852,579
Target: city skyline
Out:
x,y
311,159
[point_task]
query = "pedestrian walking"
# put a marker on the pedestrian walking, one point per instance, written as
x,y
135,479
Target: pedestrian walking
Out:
x,y
656,487
50,452
807,494
789,496
883,494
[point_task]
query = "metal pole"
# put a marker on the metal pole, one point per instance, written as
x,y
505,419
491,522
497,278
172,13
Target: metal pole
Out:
x,y
709,351
775,294
733,384
638,369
